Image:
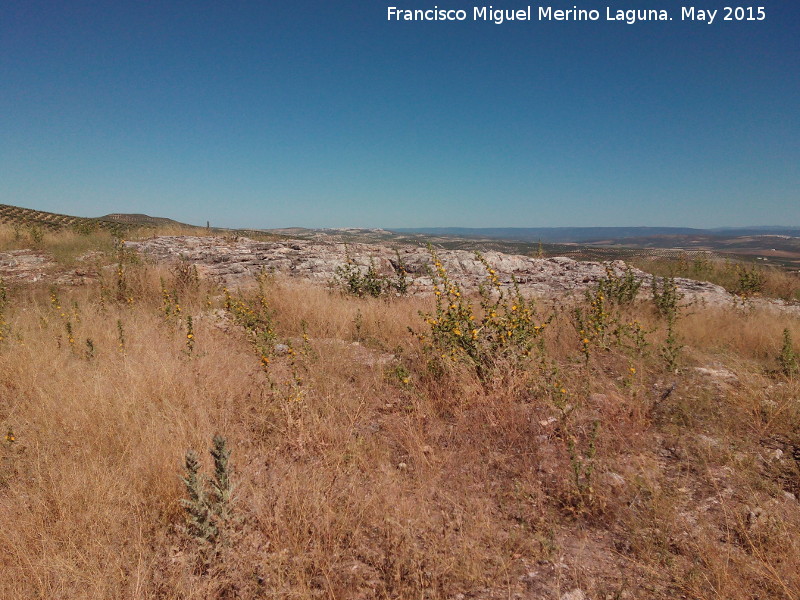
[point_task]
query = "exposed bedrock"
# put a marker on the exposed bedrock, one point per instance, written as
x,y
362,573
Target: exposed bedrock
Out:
x,y
234,261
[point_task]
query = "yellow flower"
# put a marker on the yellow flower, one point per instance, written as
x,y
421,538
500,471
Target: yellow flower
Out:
x,y
457,331
633,371
189,336
563,391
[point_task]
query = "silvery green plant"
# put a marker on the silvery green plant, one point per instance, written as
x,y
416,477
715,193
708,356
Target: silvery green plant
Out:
x,y
208,511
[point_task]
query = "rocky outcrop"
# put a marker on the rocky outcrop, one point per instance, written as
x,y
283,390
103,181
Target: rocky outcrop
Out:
x,y
234,261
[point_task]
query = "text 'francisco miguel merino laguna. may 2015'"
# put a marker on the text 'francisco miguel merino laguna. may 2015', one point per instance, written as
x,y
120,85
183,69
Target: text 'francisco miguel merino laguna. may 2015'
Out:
x,y
499,16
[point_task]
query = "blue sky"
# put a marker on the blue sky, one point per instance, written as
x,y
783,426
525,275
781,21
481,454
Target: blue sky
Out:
x,y
325,114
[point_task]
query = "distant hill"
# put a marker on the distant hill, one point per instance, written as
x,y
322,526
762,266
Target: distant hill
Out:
x,y
18,216
139,219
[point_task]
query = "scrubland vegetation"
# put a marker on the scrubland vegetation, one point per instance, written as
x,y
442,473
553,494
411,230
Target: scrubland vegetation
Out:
x,y
738,278
421,446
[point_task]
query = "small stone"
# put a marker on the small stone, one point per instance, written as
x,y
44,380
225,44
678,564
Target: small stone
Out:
x,y
615,480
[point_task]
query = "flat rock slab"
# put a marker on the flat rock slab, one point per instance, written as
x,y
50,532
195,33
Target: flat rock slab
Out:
x,y
236,261
24,265
32,266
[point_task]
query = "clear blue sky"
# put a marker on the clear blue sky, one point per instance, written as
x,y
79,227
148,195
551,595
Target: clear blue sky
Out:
x,y
324,114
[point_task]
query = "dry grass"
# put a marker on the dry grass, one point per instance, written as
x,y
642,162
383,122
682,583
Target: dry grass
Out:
x,y
351,482
736,277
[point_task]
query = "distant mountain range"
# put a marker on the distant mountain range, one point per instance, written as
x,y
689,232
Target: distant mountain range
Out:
x,y
775,244
596,234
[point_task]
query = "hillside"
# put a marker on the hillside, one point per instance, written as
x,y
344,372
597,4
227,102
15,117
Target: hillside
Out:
x,y
16,216
214,417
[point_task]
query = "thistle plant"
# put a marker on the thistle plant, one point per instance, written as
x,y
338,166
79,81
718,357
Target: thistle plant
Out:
x,y
221,484
200,523
208,512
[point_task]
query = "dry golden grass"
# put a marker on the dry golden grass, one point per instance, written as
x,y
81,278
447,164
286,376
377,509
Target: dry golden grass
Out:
x,y
773,281
352,483
64,246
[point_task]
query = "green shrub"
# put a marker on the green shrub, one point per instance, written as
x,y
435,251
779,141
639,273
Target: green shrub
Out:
x,y
750,282
622,289
788,359
666,299
502,330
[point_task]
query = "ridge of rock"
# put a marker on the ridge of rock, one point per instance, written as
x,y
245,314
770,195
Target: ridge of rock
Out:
x,y
233,261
